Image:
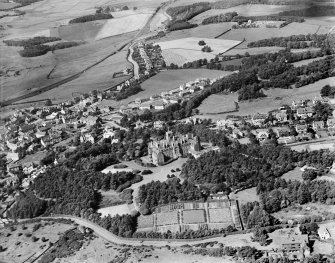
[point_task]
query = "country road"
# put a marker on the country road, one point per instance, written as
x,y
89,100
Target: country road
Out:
x,y
110,237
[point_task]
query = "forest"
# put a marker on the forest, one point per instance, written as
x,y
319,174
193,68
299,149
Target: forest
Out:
x,y
31,42
88,18
180,25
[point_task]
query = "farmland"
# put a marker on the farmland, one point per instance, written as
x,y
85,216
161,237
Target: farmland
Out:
x,y
185,50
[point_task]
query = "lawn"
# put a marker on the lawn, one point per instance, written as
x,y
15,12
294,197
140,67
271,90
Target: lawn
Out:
x,y
293,175
247,195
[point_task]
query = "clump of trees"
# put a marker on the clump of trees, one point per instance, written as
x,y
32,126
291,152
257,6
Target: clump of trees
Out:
x,y
227,17
27,205
206,48
31,42
126,92
250,92
328,91
88,18
201,43
180,25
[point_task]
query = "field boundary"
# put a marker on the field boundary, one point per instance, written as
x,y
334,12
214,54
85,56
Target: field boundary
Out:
x,y
222,33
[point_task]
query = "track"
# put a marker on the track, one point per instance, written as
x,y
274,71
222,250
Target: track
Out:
x,y
77,75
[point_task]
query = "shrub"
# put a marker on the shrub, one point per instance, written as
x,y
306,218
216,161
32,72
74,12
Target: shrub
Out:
x,y
36,227
144,172
201,43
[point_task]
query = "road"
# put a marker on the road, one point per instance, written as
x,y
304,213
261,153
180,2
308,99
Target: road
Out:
x,y
110,237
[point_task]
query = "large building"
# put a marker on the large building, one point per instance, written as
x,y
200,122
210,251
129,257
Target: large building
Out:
x,y
194,215
172,147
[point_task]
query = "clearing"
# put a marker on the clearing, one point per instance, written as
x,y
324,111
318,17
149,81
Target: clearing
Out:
x,y
295,174
116,209
244,196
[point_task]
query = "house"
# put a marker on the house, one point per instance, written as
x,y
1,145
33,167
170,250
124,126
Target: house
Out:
x,y
261,134
301,128
14,167
282,131
304,113
318,125
331,122
237,134
108,133
323,232
158,124
281,116
258,119
87,137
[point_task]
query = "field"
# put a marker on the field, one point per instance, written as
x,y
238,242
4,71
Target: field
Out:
x,y
217,45
245,10
185,50
20,248
66,62
122,25
275,99
306,61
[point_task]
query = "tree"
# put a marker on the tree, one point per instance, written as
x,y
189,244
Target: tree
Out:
x,y
260,235
48,102
309,174
202,43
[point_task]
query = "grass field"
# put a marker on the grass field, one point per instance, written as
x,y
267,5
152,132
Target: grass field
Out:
x,y
114,210
80,31
275,99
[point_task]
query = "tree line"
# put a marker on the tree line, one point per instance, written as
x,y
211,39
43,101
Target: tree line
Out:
x,y
88,18
39,50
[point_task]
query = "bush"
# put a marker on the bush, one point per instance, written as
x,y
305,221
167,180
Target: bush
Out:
x,y
206,49
144,172
34,51
34,239
36,227
309,175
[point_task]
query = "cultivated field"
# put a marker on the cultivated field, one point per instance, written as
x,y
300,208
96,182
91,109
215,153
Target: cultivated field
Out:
x,y
20,247
275,99
185,50
217,45
79,31
117,26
